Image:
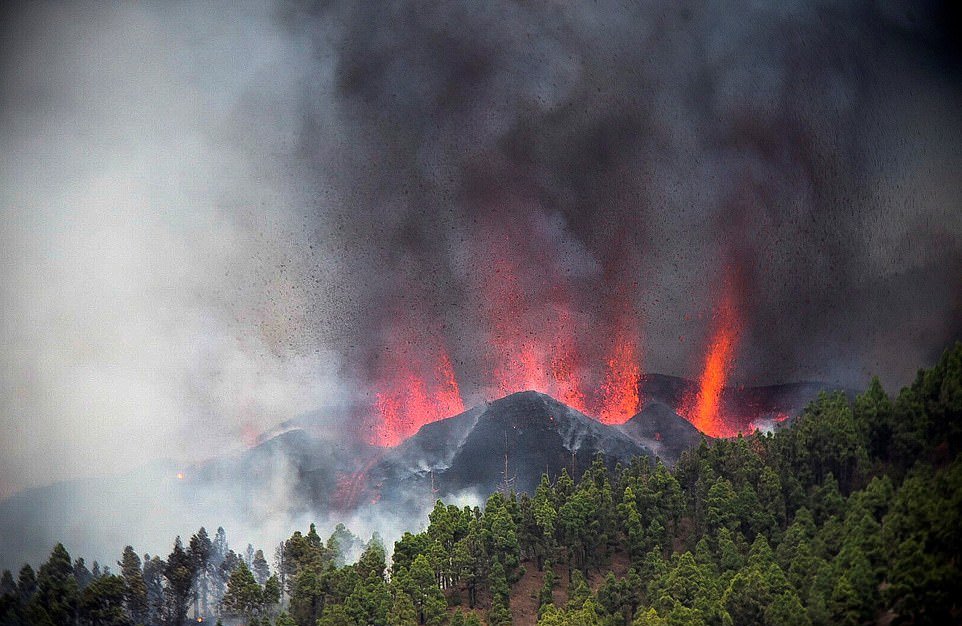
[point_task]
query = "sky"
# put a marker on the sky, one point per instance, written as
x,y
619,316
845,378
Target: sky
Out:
x,y
218,216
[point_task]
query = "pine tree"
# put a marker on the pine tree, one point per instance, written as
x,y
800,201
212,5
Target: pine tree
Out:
x,y
83,575
7,585
578,591
57,590
873,418
26,583
179,573
285,619
500,613
341,543
307,595
402,611
244,596
260,568
202,551
102,602
427,596
217,575
472,620
154,581
786,610
135,589
272,591
546,595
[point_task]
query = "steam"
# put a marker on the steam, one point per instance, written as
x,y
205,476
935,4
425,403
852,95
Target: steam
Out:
x,y
153,241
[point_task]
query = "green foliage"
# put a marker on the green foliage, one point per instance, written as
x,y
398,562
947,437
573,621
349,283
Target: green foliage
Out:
x,y
179,572
102,602
402,611
546,595
499,612
135,589
425,593
244,596
284,619
58,593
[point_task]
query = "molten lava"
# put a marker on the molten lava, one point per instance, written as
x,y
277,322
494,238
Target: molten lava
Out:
x,y
516,354
620,400
704,408
416,401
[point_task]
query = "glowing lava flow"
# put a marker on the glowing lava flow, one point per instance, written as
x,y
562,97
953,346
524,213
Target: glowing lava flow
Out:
x,y
620,400
704,409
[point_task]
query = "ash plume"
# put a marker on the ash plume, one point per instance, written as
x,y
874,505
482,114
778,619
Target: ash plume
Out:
x,y
632,156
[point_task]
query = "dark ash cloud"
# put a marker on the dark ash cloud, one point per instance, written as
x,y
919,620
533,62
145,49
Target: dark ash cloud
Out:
x,y
811,149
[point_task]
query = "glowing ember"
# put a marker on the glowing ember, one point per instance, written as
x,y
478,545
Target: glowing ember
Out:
x,y
767,425
704,409
619,391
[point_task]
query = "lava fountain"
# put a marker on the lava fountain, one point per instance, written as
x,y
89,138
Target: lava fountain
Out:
x,y
417,386
619,397
704,408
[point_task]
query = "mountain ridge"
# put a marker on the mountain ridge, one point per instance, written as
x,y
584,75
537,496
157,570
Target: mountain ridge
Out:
x,y
306,467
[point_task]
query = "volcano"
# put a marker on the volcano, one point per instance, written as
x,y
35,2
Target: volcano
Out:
x,y
663,431
508,443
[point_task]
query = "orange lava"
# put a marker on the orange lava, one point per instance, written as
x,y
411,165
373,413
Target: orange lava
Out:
x,y
704,409
620,400
416,381
415,401
350,487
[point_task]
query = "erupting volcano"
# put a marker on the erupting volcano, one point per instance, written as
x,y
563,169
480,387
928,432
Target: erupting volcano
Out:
x,y
532,323
420,384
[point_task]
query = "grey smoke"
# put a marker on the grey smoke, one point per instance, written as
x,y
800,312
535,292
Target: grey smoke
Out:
x,y
811,148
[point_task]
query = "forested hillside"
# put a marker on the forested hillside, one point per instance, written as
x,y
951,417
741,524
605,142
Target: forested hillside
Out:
x,y
852,515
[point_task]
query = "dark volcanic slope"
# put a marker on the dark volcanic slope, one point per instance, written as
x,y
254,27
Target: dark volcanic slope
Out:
x,y
467,452
662,430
